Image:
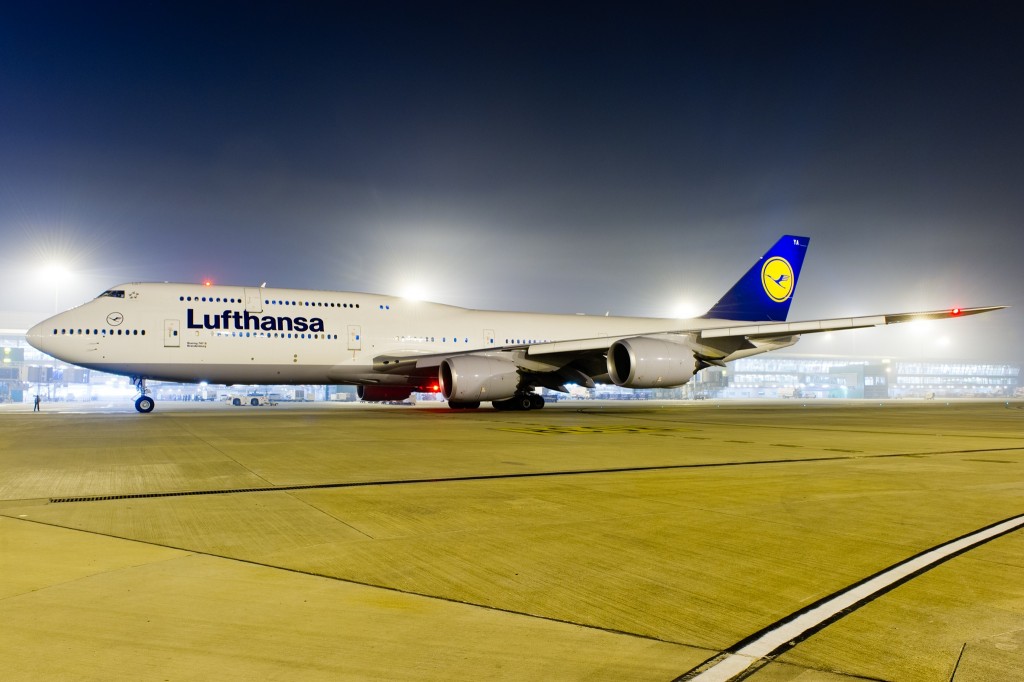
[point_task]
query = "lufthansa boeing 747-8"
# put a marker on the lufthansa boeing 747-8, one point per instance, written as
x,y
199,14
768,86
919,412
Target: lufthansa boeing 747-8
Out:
x,y
390,347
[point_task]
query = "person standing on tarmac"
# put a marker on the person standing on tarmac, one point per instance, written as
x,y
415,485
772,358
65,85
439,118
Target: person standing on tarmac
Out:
x,y
35,408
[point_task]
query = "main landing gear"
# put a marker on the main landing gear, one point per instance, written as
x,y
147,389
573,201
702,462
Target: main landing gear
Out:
x,y
520,401
143,403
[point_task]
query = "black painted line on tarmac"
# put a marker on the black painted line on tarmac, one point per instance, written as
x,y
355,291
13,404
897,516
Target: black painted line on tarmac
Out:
x,y
361,583
447,479
497,477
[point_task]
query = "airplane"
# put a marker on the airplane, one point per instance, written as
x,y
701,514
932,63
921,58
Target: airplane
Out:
x,y
390,347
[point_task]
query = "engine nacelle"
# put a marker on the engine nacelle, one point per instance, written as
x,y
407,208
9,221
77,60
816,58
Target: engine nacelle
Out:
x,y
469,378
645,362
381,393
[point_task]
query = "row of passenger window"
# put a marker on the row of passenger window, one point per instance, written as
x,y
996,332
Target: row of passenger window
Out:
x,y
277,335
210,299
312,304
299,304
455,339
281,335
432,339
101,332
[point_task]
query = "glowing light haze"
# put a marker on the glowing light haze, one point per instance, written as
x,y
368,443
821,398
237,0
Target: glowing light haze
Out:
x,y
631,160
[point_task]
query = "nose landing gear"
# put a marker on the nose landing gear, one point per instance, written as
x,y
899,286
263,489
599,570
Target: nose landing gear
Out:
x,y
143,403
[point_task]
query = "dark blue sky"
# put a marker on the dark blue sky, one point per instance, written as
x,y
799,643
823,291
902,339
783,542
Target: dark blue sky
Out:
x,y
631,159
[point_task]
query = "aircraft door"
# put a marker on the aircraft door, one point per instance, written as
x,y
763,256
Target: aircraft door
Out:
x,y
254,300
488,337
172,333
355,337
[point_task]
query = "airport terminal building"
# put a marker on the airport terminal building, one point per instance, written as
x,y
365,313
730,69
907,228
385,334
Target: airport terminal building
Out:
x,y
797,376
25,373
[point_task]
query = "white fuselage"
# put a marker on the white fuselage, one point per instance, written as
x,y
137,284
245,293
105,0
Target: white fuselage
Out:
x,y
229,335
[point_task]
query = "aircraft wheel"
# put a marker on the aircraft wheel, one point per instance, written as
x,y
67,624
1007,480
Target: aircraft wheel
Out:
x,y
467,405
145,404
502,405
523,402
536,401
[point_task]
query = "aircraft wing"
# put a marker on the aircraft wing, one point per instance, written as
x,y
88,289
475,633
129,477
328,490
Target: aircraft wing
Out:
x,y
764,330
713,341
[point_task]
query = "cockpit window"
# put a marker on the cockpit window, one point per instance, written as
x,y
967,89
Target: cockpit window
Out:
x,y
113,293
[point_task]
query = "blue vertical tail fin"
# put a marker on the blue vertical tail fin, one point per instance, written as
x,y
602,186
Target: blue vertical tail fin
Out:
x,y
765,292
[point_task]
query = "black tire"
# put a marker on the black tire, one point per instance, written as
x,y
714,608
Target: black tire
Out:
x,y
145,404
236,401
502,405
254,402
536,401
468,405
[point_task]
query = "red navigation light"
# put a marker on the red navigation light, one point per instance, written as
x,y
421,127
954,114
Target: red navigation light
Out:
x,y
435,388
207,283
955,311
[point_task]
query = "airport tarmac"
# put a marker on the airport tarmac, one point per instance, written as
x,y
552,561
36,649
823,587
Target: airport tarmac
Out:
x,y
586,541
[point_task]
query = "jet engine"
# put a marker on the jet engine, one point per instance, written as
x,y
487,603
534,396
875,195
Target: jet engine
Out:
x,y
645,362
470,378
381,393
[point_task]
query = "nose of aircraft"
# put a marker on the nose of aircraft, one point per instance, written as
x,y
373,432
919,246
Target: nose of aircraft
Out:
x,y
37,335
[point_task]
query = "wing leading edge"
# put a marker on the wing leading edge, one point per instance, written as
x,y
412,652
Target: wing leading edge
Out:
x,y
764,330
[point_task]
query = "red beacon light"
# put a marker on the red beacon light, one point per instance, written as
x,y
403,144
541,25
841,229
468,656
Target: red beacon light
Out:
x,y
207,283
955,311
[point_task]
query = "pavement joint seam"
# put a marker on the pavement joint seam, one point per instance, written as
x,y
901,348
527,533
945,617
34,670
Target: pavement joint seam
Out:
x,y
298,571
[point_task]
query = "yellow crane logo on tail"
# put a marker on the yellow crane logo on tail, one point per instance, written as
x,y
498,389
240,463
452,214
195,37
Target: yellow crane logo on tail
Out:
x,y
777,278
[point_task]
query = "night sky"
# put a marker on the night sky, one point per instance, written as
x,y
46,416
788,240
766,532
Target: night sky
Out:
x,y
631,159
